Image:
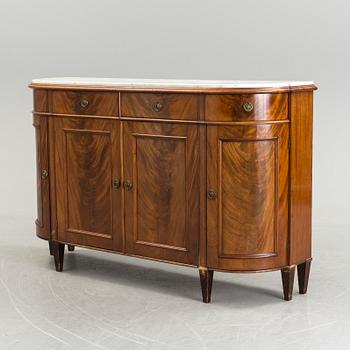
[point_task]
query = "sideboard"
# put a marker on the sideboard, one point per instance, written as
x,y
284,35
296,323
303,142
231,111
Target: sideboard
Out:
x,y
210,174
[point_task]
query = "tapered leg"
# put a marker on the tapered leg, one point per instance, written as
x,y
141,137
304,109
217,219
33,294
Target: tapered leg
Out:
x,y
71,248
58,254
206,277
50,247
288,281
303,276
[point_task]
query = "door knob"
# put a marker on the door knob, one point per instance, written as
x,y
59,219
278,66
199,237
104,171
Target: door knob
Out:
x,y
211,194
44,174
116,183
127,185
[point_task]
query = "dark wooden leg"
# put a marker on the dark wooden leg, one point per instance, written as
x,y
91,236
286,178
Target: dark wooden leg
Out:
x,y
50,247
288,281
71,248
303,276
58,254
206,277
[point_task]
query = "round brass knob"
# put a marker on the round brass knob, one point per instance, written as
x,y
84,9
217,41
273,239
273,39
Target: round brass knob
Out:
x,y
44,174
116,183
211,194
248,106
127,185
157,106
84,103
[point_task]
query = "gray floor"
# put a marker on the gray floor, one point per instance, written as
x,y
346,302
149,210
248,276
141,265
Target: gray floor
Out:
x,y
107,301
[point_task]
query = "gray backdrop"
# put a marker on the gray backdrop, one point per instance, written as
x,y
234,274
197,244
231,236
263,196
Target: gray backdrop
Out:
x,y
271,40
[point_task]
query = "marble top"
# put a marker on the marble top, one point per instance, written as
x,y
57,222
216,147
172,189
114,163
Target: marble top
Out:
x,y
169,83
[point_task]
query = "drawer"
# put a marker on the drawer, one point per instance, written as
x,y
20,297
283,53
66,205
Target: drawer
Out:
x,y
246,107
168,106
85,102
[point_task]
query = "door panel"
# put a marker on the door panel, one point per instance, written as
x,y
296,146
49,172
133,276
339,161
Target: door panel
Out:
x,y
162,208
87,162
247,222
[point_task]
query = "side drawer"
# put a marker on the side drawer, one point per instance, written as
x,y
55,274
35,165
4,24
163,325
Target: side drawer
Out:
x,y
246,107
85,102
158,106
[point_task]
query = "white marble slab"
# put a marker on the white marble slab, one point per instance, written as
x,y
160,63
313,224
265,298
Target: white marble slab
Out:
x,y
174,83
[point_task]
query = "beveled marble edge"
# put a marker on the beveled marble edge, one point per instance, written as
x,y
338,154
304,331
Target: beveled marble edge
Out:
x,y
168,83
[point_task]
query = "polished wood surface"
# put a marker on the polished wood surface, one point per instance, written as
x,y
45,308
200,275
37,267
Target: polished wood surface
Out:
x,y
40,100
248,221
88,206
40,123
84,102
231,107
162,208
186,178
301,105
150,105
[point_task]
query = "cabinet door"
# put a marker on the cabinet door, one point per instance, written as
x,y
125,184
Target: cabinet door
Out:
x,y
87,162
248,218
162,206
42,169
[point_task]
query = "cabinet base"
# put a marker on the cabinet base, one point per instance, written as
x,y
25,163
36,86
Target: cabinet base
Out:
x,y
206,274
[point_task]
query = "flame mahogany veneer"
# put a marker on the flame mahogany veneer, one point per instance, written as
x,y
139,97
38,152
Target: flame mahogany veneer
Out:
x,y
217,178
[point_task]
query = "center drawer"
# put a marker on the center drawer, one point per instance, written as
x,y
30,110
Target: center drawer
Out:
x,y
158,106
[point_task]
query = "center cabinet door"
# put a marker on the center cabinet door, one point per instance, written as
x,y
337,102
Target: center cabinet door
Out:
x,y
162,191
88,198
247,211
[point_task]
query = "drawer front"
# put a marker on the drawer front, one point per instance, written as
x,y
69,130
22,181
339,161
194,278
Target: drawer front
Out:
x,y
246,107
86,103
168,106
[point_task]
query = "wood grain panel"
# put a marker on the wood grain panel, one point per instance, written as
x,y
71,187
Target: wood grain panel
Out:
x,y
40,100
42,175
248,221
99,103
162,209
88,208
89,178
248,212
230,107
301,176
161,186
173,106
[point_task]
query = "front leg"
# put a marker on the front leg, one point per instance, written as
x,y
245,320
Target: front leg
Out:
x,y
288,281
58,254
206,278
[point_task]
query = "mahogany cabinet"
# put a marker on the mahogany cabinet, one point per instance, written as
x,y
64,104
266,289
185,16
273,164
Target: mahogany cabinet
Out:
x,y
209,174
